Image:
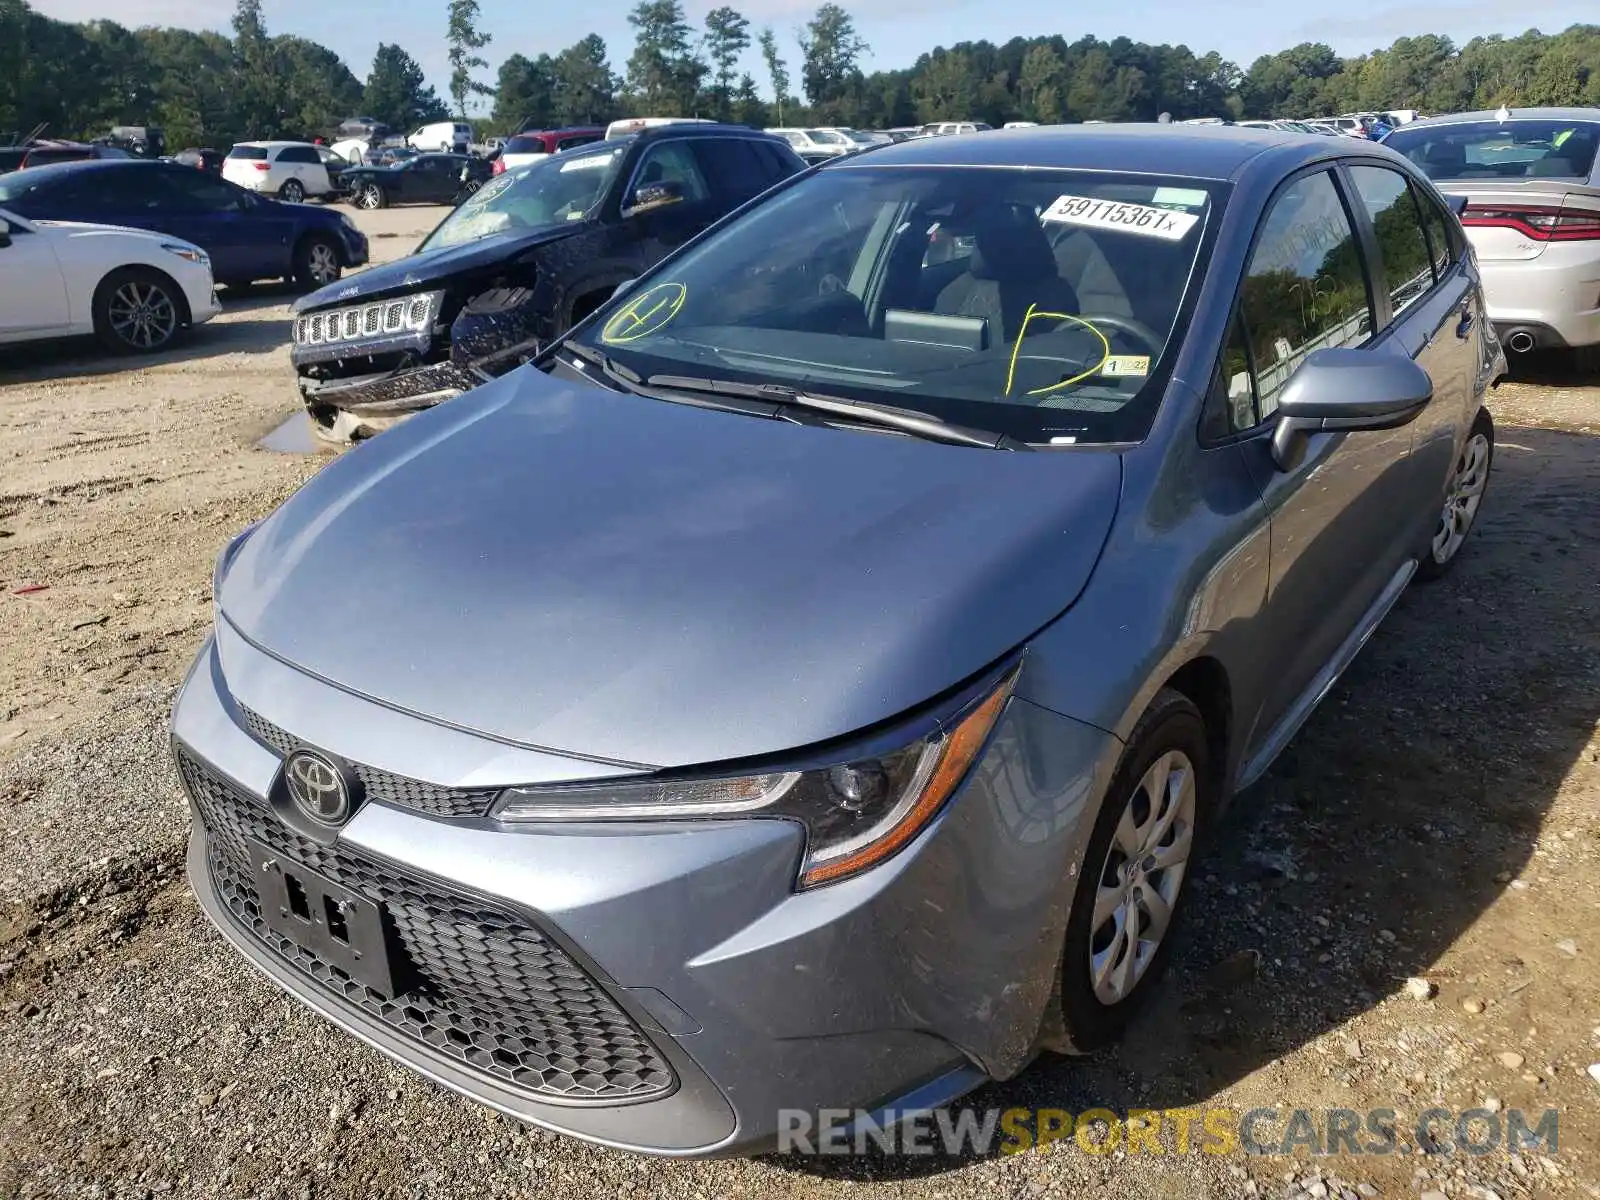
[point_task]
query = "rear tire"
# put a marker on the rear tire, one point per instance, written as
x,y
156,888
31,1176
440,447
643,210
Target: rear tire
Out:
x,y
1136,867
371,197
138,310
293,191
316,262
1463,500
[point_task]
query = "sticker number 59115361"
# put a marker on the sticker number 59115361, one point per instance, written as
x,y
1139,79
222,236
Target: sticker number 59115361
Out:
x,y
1140,219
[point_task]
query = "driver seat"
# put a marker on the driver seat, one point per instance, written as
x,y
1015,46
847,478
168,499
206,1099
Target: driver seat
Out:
x,y
1012,267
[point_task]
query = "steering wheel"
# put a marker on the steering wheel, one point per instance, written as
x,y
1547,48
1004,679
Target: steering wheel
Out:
x,y
1152,341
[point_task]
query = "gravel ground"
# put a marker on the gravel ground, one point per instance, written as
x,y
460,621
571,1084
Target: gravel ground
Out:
x,y
1434,822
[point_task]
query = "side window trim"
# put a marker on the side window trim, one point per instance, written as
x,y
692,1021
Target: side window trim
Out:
x,y
1379,302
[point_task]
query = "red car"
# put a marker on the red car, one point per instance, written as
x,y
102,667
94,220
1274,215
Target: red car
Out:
x,y
531,146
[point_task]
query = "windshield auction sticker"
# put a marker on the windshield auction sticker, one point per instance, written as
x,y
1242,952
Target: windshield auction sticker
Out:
x,y
1122,216
645,313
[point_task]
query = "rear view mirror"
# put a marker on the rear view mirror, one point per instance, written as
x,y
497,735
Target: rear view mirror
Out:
x,y
649,196
1337,390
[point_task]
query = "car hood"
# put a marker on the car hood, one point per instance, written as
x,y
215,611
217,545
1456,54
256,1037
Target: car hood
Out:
x,y
77,229
628,579
428,267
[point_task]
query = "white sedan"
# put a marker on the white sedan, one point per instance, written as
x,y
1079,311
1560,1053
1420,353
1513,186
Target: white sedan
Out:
x,y
135,291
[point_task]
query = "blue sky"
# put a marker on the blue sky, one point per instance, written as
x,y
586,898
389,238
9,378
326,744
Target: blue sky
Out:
x,y
896,30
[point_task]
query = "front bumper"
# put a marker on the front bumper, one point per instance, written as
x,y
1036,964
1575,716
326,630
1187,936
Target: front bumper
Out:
x,y
923,976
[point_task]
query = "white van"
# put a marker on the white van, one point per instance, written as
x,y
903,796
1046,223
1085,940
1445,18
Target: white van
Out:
x,y
623,128
448,136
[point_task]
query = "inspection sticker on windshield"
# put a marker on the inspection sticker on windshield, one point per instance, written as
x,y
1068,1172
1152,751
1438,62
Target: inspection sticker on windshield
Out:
x,y
1124,365
1120,215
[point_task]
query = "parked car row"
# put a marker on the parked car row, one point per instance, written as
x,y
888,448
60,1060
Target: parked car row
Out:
x,y
810,678
197,230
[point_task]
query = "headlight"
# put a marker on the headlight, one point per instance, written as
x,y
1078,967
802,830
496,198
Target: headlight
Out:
x,y
857,814
193,253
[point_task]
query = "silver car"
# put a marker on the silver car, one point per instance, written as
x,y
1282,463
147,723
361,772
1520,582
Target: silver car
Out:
x,y
809,683
1529,185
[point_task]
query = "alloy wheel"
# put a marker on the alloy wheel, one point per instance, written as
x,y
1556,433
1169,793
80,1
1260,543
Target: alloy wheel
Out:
x,y
322,264
142,315
370,196
1142,876
293,192
1462,498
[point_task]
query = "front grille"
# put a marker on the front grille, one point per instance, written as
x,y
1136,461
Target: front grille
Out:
x,y
385,786
483,985
409,314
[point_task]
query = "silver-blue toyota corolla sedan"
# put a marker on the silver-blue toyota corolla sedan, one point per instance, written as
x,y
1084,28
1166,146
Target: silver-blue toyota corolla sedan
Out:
x,y
809,683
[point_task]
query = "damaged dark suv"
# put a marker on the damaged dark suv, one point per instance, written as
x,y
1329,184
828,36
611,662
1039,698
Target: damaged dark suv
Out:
x,y
534,251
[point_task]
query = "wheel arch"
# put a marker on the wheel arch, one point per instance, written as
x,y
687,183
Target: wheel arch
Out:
x,y
1205,682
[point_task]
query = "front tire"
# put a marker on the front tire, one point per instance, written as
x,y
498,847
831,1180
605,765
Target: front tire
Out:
x,y
293,191
370,197
1463,499
1131,890
316,262
138,310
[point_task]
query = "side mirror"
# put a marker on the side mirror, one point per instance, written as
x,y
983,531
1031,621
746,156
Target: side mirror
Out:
x,y
5,235
1338,390
1458,204
622,287
649,196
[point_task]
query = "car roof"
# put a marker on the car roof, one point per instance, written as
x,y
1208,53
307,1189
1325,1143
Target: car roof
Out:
x,y
1514,114
274,143
57,170
658,133
1196,151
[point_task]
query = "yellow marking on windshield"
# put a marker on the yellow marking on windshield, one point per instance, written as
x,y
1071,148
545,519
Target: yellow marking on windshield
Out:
x,y
645,313
1016,349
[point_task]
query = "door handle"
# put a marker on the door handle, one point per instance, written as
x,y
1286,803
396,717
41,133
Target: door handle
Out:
x,y
1464,326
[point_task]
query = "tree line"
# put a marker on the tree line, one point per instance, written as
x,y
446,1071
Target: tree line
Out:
x,y
205,88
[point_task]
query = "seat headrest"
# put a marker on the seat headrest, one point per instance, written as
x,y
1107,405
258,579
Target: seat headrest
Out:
x,y
1011,247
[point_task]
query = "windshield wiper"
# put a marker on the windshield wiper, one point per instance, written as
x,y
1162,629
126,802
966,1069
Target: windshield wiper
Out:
x,y
907,420
777,400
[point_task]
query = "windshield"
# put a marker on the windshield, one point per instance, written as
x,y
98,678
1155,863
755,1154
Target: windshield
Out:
x,y
1517,149
827,137
567,187
1036,303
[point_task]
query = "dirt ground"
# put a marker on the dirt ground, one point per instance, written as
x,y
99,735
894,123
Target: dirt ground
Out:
x,y
1436,819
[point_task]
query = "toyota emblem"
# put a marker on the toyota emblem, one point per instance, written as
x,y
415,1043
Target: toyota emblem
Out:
x,y
317,787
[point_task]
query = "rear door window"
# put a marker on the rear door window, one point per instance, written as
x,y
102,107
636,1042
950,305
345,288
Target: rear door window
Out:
x,y
1443,239
731,166
1402,242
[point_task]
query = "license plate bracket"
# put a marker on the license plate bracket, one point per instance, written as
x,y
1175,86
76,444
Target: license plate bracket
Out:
x,y
343,929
